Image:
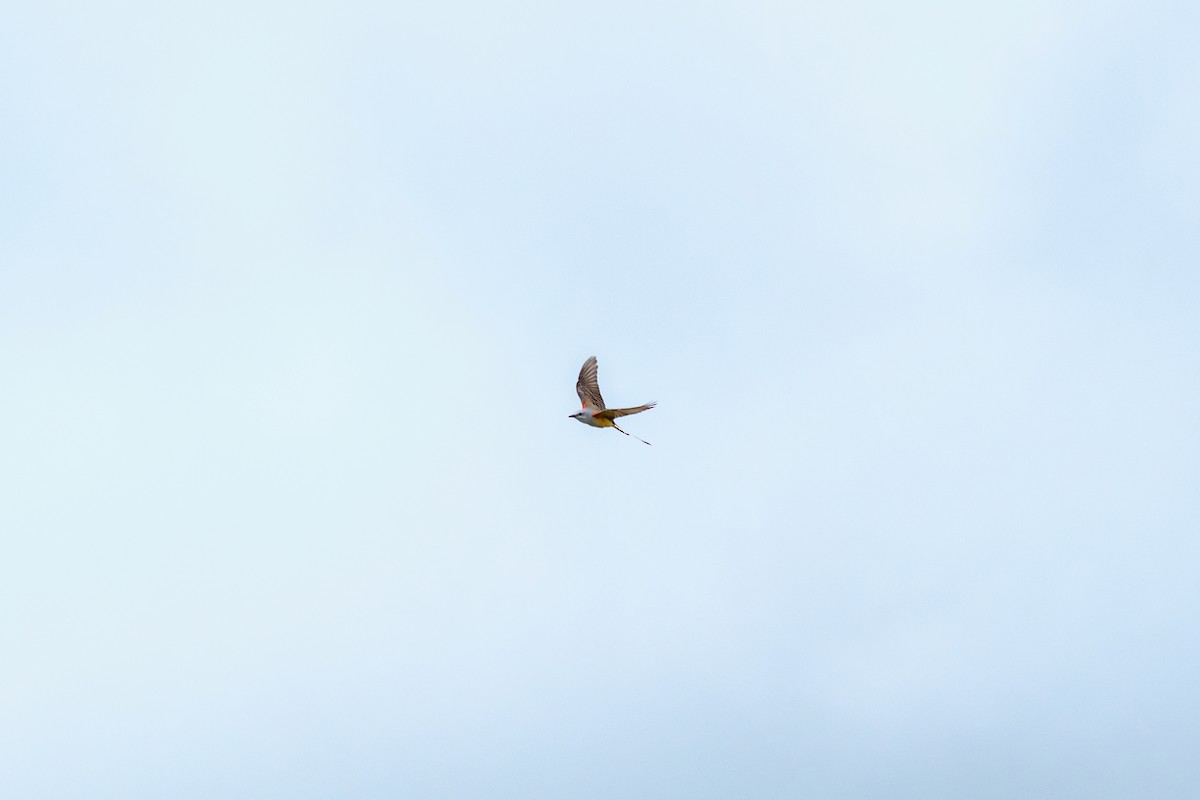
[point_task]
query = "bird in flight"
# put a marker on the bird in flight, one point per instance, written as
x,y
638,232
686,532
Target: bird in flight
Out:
x,y
594,413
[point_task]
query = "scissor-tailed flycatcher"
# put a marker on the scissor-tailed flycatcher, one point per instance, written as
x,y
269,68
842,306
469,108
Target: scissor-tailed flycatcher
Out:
x,y
594,413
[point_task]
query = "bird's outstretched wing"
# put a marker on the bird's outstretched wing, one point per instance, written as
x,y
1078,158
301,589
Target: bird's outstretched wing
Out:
x,y
587,388
624,412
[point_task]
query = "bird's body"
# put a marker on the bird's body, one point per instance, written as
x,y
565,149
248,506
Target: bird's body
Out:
x,y
594,413
588,417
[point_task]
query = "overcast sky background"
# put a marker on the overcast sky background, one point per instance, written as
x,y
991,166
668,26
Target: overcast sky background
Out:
x,y
292,302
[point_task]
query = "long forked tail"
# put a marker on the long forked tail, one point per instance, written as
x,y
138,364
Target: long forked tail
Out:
x,y
643,441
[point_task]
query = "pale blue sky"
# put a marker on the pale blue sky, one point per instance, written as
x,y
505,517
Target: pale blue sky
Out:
x,y
292,302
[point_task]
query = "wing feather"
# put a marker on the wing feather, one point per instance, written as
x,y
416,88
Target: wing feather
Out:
x,y
611,413
587,387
